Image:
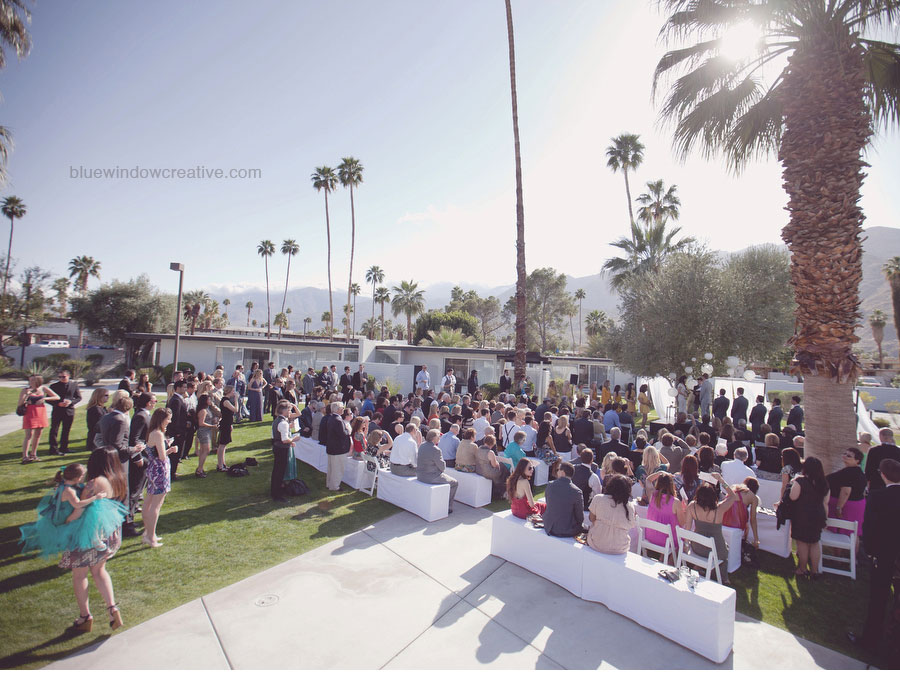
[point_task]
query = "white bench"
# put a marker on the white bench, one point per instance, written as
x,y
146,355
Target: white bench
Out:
x,y
541,473
771,539
473,489
354,472
429,502
769,493
309,451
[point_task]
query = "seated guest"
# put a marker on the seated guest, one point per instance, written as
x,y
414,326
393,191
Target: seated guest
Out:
x,y
614,444
687,479
650,464
791,465
599,429
705,513
768,459
582,428
513,451
743,511
612,515
404,452
518,489
465,452
587,476
378,446
449,445
606,465
706,459
673,450
564,515
799,441
430,465
487,465
847,499
664,507
734,471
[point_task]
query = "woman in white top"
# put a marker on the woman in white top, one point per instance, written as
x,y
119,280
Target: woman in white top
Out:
x,y
681,395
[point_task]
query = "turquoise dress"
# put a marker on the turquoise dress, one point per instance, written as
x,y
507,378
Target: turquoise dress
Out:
x,y
50,534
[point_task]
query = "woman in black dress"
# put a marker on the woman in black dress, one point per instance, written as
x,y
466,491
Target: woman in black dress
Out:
x,y
226,423
95,411
809,494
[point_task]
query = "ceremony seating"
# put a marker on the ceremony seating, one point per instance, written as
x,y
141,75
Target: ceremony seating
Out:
x,y
309,451
429,502
541,473
710,563
845,542
643,545
769,493
354,473
474,490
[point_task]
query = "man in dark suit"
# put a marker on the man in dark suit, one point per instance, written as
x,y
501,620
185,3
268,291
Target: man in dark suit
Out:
x,y
881,538
269,376
739,407
346,383
337,446
63,411
361,379
887,450
138,432
776,414
614,444
564,516
505,382
583,429
178,426
127,382
758,418
795,416
114,428
720,405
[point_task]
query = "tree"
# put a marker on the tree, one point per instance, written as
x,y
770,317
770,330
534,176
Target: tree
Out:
x,y
249,306
354,290
382,295
325,180
891,271
521,291
598,323
435,320
580,295
548,303
226,302
447,337
878,320
266,249
281,321
350,172
290,248
625,153
408,300
29,304
306,321
488,312
14,17
328,328
13,207
658,204
374,275
460,299
82,268
744,107
194,302
645,251
61,287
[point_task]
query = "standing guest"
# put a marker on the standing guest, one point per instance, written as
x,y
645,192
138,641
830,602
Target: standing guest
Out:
x,y
720,406
33,397
346,383
63,411
887,450
645,403
177,376
630,399
864,444
282,444
776,414
403,454
255,392
127,383
337,447
809,492
739,407
229,410
705,513
206,422
190,402
612,516
795,415
360,380
681,395
143,385
449,444
237,383
448,382
430,466
564,515
269,376
178,424
706,395
139,432
758,417
309,383
505,382
115,427
159,448
881,538
423,379
791,465
518,488
847,490
472,382
95,411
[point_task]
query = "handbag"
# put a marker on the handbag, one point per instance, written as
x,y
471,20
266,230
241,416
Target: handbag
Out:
x,y
785,510
20,410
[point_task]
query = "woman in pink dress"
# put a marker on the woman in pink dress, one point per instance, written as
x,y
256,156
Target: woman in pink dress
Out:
x,y
665,508
34,421
518,489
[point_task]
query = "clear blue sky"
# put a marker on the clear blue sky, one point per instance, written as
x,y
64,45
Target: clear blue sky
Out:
x,y
418,91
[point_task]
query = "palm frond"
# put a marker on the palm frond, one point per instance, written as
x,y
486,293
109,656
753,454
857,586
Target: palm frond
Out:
x,y
882,61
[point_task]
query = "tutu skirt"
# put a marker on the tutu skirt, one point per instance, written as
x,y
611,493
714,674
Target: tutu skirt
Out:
x,y
99,521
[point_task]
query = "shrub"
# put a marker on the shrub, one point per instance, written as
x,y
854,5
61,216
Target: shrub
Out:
x,y
881,423
867,398
182,365
893,407
392,385
490,390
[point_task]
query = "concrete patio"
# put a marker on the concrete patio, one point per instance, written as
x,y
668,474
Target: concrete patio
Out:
x,y
405,594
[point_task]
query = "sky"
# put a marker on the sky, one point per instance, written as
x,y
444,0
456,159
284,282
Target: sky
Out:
x,y
417,91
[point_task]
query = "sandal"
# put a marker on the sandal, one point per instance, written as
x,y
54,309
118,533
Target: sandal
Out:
x,y
115,619
83,624
199,473
222,468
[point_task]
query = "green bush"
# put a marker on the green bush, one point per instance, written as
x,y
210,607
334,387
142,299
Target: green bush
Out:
x,y
893,407
51,360
785,396
881,423
182,365
490,390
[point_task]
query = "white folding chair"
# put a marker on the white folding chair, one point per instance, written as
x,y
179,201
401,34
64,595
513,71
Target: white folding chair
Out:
x,y
846,542
709,563
644,545
368,482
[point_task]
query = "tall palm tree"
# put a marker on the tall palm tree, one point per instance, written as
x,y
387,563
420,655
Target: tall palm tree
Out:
x,y
249,306
281,321
82,268
306,322
350,172
61,287
878,320
12,208
287,314
354,290
580,295
326,318
374,275
521,308
14,20
324,179
810,91
193,304
266,249
596,321
381,296
408,300
290,248
226,302
891,270
645,252
625,153
658,204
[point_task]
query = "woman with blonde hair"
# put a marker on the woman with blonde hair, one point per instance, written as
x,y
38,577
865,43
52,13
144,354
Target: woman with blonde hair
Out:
x,y
95,410
255,389
34,421
606,465
864,445
158,473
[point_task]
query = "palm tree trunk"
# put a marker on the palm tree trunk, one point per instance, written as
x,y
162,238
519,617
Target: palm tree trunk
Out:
x,y
408,328
268,308
382,320
372,331
572,329
350,282
895,302
286,278
826,130
521,318
880,356
330,299
579,323
628,196
12,222
354,316
248,316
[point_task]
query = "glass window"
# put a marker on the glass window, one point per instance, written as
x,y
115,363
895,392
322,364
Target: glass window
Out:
x,y
229,357
261,356
460,371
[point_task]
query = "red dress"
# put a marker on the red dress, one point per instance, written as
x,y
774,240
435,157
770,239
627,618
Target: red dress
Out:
x,y
35,412
522,509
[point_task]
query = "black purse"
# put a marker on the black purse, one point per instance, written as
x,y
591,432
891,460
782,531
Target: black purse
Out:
x,y
785,510
20,410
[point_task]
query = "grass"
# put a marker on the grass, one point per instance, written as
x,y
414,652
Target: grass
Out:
x,y
9,398
217,531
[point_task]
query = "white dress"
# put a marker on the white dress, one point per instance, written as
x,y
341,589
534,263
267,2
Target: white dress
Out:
x,y
681,398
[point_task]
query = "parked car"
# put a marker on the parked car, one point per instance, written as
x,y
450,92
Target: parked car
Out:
x,y
55,344
868,382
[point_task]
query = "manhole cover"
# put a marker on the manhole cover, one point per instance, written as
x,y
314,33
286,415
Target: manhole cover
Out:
x,y
266,600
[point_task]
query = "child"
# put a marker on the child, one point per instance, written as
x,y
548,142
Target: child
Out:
x,y
66,522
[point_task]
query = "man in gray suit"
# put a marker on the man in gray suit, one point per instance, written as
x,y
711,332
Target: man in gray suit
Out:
x,y
430,465
706,395
564,516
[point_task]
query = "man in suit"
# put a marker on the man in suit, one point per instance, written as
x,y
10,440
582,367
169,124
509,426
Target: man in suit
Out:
x,y
423,379
887,450
505,382
240,389
127,382
720,405
346,383
881,538
360,380
472,383
758,418
178,426
114,432
308,382
706,395
739,407
333,378
137,433
337,446
564,516
269,376
63,411
776,414
583,428
430,465
614,444
795,416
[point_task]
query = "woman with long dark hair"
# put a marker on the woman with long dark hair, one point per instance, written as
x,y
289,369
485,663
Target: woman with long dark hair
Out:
x,y
809,493
612,516
705,514
159,480
518,489
96,408
688,478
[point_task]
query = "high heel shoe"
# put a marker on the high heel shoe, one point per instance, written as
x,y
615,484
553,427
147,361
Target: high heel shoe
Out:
x,y
151,542
115,618
83,624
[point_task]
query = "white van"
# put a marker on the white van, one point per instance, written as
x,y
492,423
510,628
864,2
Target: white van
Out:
x,y
56,344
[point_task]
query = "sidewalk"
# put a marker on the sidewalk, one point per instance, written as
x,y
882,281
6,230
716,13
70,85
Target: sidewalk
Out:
x,y
404,593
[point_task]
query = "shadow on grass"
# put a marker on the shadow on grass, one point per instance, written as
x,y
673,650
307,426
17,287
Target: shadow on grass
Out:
x,y
31,577
31,655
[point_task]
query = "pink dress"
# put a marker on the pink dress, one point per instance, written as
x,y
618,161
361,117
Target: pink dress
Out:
x,y
662,514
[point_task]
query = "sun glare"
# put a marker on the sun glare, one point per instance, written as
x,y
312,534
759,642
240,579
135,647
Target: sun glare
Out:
x,y
740,42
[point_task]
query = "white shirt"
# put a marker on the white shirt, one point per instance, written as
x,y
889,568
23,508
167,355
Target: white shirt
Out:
x,y
480,425
735,471
507,432
530,436
448,381
423,380
283,431
404,450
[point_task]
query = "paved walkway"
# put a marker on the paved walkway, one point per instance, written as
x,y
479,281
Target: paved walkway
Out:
x,y
404,593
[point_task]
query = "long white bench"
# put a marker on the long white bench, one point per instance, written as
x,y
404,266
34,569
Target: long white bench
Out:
x,y
474,490
429,502
627,584
541,473
354,472
309,451
769,493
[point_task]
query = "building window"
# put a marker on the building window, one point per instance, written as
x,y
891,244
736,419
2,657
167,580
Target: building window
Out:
x,y
261,356
460,371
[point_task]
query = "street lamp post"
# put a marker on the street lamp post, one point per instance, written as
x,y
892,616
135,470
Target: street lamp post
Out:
x,y
177,267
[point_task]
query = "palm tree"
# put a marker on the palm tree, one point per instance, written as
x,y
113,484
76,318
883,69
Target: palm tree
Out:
x,y
877,321
354,290
324,179
249,306
287,314
521,308
193,303
281,321
306,323
374,275
447,337
645,253
61,287
596,322
891,270
810,90
408,300
326,318
12,208
625,153
290,248
226,302
267,249
350,173
381,296
580,295
658,204
82,268
14,20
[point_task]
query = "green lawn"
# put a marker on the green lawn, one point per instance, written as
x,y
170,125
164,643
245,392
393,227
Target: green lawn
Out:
x,y
216,531
9,398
